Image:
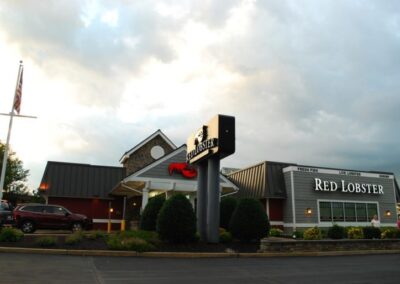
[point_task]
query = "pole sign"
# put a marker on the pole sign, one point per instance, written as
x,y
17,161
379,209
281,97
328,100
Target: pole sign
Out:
x,y
217,137
206,147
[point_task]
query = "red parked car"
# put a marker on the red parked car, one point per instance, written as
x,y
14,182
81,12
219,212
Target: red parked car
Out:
x,y
29,217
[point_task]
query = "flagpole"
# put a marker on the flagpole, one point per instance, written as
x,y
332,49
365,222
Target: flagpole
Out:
x,y
3,169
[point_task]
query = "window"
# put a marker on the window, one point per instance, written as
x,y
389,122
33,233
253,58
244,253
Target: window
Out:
x,y
346,211
32,208
361,212
350,212
372,209
59,210
337,211
325,211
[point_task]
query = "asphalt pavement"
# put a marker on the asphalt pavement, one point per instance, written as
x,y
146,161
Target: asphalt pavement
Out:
x,y
36,268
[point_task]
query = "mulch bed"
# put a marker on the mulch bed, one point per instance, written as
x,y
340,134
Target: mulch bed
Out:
x,y
29,241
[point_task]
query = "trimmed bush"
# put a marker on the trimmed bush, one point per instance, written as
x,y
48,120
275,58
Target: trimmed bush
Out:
x,y
176,222
46,242
10,235
336,232
355,233
227,206
94,235
390,233
372,232
312,234
298,235
149,236
275,232
117,242
148,220
74,238
249,221
225,237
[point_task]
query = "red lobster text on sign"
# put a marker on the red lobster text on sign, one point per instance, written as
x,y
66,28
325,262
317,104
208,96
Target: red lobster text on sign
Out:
x,y
182,168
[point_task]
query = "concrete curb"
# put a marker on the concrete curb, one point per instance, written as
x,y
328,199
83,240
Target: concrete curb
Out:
x,y
190,254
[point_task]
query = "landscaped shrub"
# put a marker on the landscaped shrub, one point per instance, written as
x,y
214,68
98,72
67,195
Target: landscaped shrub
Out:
x,y
74,238
148,220
176,221
355,233
390,233
249,221
224,236
227,206
10,235
149,236
94,235
275,232
298,235
116,242
46,242
312,234
372,232
336,232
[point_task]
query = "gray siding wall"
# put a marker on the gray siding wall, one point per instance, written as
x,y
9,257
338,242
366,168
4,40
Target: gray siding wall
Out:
x,y
160,171
307,197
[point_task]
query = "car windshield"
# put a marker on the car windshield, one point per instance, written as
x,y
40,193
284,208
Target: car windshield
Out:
x,y
4,206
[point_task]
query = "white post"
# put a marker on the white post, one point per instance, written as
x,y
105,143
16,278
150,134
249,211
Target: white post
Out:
x,y
145,197
3,169
192,200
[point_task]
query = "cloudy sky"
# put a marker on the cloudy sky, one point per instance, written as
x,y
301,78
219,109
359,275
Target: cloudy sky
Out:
x,y
310,82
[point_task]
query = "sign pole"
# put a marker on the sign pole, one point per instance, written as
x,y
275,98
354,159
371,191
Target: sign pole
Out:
x,y
213,200
211,143
202,200
5,157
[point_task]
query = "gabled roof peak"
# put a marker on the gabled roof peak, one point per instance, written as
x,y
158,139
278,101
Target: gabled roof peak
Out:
x,y
138,146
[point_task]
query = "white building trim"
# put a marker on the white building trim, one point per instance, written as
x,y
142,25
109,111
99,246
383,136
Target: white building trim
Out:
x,y
134,149
337,172
293,200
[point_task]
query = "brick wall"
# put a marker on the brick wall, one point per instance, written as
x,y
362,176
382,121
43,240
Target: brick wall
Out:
x,y
142,157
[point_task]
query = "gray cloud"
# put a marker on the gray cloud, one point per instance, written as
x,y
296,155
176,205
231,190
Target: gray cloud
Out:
x,y
318,83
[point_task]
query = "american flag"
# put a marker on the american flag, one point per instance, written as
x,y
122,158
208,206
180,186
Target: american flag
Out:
x,y
18,94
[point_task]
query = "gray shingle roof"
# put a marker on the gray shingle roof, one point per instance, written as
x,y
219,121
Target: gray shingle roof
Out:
x,y
80,180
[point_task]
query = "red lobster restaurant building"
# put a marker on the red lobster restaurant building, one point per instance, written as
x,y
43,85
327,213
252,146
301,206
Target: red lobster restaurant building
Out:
x,y
295,197
154,166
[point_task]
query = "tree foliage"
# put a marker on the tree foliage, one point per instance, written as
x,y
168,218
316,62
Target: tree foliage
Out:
x,y
249,221
16,175
176,222
148,220
227,206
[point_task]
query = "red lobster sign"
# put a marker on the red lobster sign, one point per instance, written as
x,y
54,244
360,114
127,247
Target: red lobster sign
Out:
x,y
184,169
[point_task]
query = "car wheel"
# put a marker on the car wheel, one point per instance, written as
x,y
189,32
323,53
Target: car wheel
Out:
x,y
76,227
27,227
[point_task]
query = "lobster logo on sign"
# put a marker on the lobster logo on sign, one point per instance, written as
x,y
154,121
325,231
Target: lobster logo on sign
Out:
x,y
184,169
201,135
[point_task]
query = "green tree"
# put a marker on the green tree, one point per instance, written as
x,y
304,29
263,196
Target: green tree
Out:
x,y
16,175
227,206
249,221
176,222
148,220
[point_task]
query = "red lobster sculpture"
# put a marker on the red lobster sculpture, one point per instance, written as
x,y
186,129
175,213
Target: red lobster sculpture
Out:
x,y
183,168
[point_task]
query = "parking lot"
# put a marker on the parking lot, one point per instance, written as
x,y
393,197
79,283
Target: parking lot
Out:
x,y
35,268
